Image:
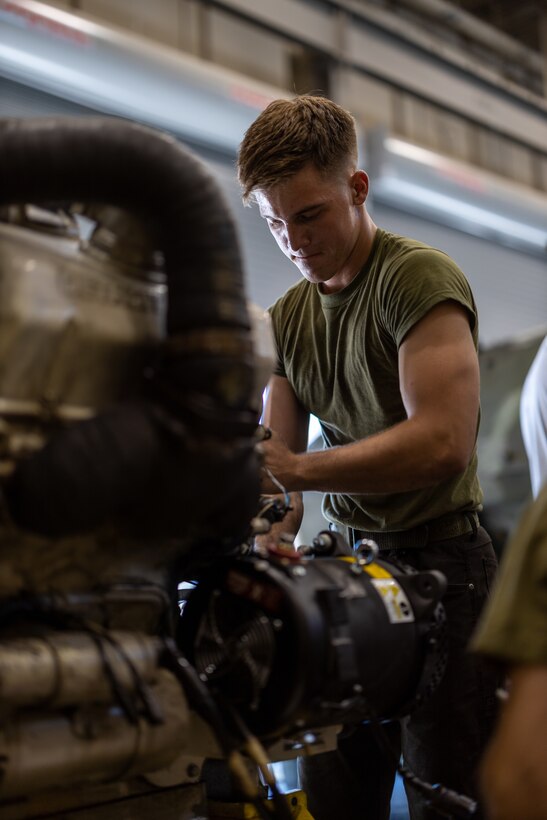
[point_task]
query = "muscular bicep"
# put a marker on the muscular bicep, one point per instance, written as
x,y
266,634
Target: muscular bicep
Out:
x,y
439,378
284,414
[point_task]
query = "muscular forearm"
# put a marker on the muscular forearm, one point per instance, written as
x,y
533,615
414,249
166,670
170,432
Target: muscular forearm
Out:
x,y
409,455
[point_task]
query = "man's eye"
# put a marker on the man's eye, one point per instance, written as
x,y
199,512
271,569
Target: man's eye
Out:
x,y
274,224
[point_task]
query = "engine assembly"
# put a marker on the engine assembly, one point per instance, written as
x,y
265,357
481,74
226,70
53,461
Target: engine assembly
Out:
x,y
129,405
305,642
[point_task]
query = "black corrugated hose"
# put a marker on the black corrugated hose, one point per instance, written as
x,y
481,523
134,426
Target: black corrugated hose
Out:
x,y
180,457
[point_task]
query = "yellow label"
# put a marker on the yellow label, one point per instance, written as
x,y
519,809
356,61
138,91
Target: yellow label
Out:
x,y
376,571
394,599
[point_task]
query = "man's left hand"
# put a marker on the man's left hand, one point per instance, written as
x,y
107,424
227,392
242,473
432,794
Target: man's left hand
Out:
x,y
278,460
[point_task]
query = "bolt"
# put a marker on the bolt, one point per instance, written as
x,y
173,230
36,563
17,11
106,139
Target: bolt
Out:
x,y
260,526
300,571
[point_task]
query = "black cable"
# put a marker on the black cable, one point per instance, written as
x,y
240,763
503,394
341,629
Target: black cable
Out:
x,y
59,619
152,710
447,802
256,752
201,700
198,695
99,635
120,695
229,736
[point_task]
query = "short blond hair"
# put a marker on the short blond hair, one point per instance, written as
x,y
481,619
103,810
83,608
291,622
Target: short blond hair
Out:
x,y
288,134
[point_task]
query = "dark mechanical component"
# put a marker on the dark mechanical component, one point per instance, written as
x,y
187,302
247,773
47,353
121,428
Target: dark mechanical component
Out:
x,y
273,509
184,437
127,442
316,642
327,544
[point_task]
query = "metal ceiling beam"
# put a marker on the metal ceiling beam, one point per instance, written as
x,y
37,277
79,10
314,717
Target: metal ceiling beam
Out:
x,y
392,50
477,31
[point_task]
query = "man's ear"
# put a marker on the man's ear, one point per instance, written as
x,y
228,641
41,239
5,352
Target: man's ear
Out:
x,y
359,186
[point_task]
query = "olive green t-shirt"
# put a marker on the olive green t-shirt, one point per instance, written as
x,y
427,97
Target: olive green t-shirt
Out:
x,y
513,627
339,352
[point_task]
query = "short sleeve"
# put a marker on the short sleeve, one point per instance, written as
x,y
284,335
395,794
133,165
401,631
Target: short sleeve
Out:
x,y
415,283
279,364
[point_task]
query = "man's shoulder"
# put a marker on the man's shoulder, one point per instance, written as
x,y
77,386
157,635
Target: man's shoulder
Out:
x,y
401,250
406,262
412,278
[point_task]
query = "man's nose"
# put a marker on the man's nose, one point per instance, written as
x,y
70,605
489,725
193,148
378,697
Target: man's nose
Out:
x,y
297,237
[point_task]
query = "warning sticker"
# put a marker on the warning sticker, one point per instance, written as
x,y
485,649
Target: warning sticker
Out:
x,y
376,571
395,601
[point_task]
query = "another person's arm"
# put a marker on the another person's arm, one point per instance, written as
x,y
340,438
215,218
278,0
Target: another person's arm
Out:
x,y
439,383
513,631
514,768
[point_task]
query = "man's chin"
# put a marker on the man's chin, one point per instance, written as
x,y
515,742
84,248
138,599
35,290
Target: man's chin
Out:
x,y
313,274
311,277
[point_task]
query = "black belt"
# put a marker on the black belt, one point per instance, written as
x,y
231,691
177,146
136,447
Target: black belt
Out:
x,y
448,526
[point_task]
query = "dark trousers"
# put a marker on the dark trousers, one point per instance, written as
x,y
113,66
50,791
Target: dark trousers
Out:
x,y
442,740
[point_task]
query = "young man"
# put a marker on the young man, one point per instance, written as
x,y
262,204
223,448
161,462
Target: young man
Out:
x,y
379,342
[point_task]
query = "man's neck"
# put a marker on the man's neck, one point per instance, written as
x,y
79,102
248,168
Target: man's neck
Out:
x,y
358,259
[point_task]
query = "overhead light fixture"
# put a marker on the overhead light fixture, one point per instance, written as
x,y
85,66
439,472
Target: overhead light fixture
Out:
x,y
122,73
454,193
